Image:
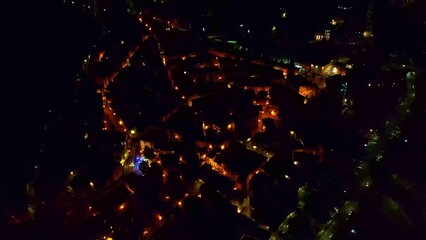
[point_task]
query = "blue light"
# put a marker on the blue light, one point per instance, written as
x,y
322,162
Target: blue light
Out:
x,y
138,160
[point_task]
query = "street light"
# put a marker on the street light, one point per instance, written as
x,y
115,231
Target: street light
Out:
x,y
121,207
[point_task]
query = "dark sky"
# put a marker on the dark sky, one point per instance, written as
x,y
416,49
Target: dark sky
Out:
x,y
41,45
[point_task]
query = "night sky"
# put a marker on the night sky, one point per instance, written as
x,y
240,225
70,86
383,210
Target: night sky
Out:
x,y
42,44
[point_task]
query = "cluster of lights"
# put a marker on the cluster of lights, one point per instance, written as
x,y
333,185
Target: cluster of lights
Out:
x,y
138,160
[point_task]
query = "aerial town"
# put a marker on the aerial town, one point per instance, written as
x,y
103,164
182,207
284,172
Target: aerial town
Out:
x,y
234,120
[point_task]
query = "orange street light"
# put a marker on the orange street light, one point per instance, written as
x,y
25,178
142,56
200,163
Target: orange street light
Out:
x,y
121,207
